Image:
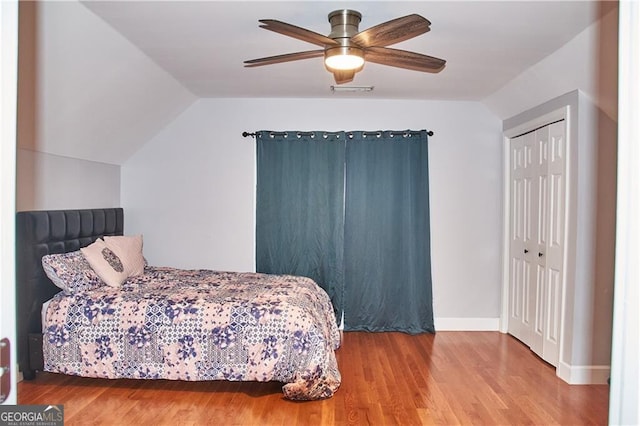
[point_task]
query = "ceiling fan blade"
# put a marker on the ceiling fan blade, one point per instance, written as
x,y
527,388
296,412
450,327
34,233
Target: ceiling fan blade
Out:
x,y
404,59
343,76
393,31
297,32
287,57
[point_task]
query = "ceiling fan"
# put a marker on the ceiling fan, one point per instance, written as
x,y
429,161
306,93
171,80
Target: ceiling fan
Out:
x,y
346,49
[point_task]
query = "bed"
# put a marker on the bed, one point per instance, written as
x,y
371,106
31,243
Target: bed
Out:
x,y
165,323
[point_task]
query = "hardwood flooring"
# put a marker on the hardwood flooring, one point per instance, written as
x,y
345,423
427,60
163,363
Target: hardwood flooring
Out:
x,y
480,378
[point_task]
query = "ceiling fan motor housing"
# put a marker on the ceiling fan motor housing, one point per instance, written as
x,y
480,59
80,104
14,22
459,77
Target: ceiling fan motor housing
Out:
x,y
344,25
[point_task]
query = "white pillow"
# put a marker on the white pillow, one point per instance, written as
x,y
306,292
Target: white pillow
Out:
x,y
115,259
129,250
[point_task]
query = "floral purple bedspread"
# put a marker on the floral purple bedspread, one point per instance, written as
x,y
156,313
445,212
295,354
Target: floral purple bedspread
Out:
x,y
199,325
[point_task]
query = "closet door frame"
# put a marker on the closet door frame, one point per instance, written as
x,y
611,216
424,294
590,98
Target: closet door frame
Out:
x,y
563,113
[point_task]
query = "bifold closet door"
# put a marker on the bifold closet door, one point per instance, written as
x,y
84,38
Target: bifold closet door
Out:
x,y
522,222
538,190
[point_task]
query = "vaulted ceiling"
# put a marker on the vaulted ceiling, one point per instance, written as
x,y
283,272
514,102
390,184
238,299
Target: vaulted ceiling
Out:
x,y
98,79
486,43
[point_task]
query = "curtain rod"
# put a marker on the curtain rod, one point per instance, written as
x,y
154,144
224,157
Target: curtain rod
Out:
x,y
253,135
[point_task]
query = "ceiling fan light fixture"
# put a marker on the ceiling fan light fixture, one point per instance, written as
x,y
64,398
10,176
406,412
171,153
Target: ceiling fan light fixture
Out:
x,y
344,58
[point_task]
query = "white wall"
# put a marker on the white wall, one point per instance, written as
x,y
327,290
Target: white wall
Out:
x,y
84,90
588,62
51,182
595,239
191,189
87,100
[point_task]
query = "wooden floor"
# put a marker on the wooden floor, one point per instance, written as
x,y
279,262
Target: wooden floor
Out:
x,y
387,378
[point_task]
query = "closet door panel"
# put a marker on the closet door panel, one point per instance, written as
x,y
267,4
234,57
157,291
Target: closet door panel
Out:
x,y
555,248
541,138
522,238
550,348
536,339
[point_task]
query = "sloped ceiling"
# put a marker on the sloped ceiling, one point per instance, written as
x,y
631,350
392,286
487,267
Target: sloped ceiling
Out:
x,y
84,91
486,43
98,79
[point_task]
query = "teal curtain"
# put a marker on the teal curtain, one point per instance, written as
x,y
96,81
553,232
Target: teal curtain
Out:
x,y
387,238
351,211
300,207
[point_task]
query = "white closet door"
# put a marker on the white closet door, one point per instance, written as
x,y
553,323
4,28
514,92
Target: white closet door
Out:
x,y
523,184
537,180
555,244
539,246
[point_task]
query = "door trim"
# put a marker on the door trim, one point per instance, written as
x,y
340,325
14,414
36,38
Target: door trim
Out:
x,y
8,110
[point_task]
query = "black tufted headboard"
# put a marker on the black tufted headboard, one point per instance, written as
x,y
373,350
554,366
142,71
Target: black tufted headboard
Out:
x,y
47,232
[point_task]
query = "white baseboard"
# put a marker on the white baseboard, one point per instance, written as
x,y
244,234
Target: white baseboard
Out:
x,y
584,374
467,324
